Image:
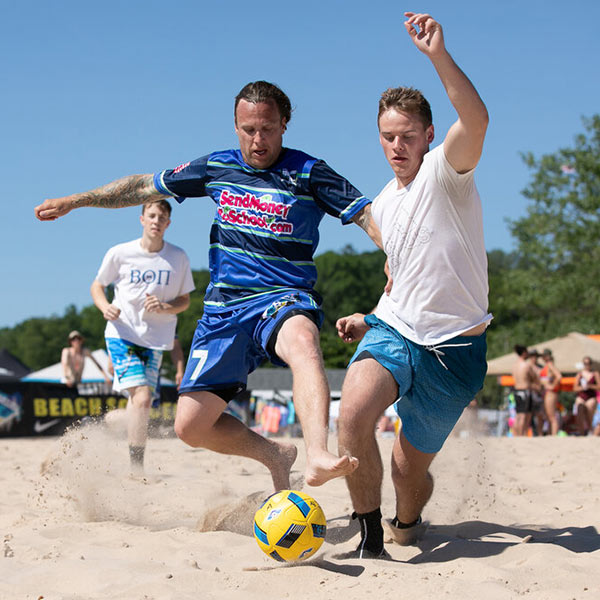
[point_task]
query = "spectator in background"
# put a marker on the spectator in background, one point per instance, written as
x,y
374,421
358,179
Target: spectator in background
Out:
x,y
587,383
73,358
550,378
537,395
526,378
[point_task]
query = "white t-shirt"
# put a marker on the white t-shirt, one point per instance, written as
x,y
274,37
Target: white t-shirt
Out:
x,y
136,273
432,234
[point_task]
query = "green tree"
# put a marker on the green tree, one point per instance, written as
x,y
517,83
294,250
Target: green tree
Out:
x,y
349,283
548,286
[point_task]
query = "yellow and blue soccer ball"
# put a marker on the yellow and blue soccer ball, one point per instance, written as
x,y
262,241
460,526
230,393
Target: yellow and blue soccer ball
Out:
x,y
289,526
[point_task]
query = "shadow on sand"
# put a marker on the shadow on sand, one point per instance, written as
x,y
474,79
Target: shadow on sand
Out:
x,y
443,543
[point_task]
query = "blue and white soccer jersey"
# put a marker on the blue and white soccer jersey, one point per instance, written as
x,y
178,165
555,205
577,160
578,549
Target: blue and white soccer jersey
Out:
x,y
265,230
262,242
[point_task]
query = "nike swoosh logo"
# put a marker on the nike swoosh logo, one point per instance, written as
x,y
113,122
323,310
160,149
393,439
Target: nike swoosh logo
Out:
x,y
39,427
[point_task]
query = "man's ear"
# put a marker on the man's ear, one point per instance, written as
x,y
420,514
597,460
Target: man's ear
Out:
x,y
430,134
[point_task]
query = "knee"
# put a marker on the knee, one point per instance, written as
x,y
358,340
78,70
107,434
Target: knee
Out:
x,y
142,398
355,423
307,344
302,347
188,433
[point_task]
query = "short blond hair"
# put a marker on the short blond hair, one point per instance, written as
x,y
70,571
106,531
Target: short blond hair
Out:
x,y
408,100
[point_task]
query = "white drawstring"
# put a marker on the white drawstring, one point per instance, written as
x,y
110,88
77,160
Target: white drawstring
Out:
x,y
436,350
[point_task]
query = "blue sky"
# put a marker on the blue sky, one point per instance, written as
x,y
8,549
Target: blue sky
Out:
x,y
95,91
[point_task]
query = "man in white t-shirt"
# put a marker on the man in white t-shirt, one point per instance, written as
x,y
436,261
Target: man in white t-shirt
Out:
x,y
152,283
423,348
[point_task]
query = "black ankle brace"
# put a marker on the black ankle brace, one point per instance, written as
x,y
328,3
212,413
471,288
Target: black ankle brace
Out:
x,y
371,531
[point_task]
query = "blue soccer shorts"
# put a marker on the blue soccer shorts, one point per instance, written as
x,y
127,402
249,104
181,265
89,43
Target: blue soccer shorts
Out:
x,y
134,365
230,343
435,383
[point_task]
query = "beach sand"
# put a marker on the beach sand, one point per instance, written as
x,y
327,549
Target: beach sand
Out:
x,y
509,518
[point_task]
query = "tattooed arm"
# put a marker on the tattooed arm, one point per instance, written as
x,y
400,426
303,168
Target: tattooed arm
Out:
x,y
364,220
127,191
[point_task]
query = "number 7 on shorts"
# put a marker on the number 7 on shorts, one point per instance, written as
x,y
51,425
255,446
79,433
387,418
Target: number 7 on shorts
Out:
x,y
201,355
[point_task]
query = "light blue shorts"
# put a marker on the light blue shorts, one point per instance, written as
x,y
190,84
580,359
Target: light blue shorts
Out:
x,y
134,365
434,386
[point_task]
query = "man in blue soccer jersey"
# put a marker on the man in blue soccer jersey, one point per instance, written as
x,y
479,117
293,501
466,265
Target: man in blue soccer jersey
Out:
x,y
424,348
260,302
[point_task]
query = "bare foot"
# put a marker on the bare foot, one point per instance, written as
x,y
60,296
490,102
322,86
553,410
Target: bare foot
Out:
x,y
282,465
326,466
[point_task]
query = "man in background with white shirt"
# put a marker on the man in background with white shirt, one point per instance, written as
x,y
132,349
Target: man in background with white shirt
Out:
x,y
424,346
152,282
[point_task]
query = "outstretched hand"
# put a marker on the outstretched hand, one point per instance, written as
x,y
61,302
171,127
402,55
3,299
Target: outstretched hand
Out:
x,y
352,328
53,208
429,37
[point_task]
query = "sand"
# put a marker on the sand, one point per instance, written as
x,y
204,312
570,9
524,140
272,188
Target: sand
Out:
x,y
509,518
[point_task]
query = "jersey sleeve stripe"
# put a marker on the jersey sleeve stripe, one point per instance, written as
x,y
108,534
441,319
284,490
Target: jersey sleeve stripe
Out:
x,y
160,185
353,208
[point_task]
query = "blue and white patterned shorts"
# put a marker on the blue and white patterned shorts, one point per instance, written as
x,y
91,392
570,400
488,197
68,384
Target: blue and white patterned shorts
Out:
x,y
134,365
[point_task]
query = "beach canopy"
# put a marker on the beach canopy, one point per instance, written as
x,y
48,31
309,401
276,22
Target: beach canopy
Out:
x,y
568,352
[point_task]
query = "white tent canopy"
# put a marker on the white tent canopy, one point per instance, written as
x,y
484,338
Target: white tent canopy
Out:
x,y
91,373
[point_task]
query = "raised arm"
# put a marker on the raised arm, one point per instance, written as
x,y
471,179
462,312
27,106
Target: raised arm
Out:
x,y
464,140
127,191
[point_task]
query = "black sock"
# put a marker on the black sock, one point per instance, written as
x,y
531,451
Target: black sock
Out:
x,y
136,455
401,525
371,531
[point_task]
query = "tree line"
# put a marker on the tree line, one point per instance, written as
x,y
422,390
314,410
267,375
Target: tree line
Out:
x,y
546,288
